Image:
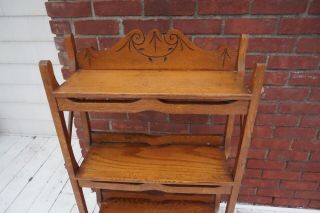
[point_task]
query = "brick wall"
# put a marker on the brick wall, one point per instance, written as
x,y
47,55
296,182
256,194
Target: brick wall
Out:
x,y
284,165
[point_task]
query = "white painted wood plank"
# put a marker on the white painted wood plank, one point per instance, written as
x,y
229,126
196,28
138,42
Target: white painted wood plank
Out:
x,y
23,94
53,189
19,163
25,74
27,127
19,145
23,177
25,28
27,52
6,143
96,209
50,191
22,8
33,187
25,111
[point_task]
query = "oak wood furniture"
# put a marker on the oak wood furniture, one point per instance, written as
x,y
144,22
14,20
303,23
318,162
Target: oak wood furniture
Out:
x,y
169,74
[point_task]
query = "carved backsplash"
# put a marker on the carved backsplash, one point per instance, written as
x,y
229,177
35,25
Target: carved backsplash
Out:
x,y
172,50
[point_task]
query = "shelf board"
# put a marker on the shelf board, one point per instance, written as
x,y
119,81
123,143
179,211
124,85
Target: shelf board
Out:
x,y
145,206
170,164
155,202
162,84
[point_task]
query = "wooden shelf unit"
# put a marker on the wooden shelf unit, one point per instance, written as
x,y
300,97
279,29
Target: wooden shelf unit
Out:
x,y
165,73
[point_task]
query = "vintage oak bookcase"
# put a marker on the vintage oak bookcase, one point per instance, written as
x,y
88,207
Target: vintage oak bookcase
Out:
x,y
169,74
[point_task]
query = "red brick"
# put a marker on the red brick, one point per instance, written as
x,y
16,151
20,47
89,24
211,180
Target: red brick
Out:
x,y
260,183
299,26
218,119
297,185
198,26
107,43
304,166
282,175
311,176
295,132
169,7
290,202
207,7
305,78
60,27
315,94
101,125
107,115
262,132
255,199
315,7
265,164
247,190
146,25
206,129
279,6
267,107
275,193
86,42
310,121
315,156
257,153
210,43
309,45
307,145
117,7
63,58
280,93
253,173
66,72
277,120
274,143
314,204
92,27
129,126
149,116
271,44
287,155
68,9
293,62
59,43
305,108
194,119
252,26
308,195
168,128
276,78
251,60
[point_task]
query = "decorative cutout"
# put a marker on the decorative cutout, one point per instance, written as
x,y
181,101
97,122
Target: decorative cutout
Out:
x,y
172,50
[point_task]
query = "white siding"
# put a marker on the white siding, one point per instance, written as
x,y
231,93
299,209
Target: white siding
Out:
x,y
25,39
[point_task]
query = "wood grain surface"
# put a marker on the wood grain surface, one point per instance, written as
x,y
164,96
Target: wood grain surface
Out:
x,y
146,206
222,85
172,164
172,51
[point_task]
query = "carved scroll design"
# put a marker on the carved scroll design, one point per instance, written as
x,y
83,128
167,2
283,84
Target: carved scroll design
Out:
x,y
155,50
155,46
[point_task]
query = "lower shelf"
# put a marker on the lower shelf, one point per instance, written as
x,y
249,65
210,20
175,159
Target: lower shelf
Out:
x,y
155,202
170,164
145,206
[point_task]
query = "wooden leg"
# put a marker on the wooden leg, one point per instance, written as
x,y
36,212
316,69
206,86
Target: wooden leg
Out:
x,y
241,159
71,164
228,135
85,122
217,203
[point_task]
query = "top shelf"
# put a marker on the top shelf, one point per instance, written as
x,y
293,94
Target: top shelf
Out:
x,y
154,84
